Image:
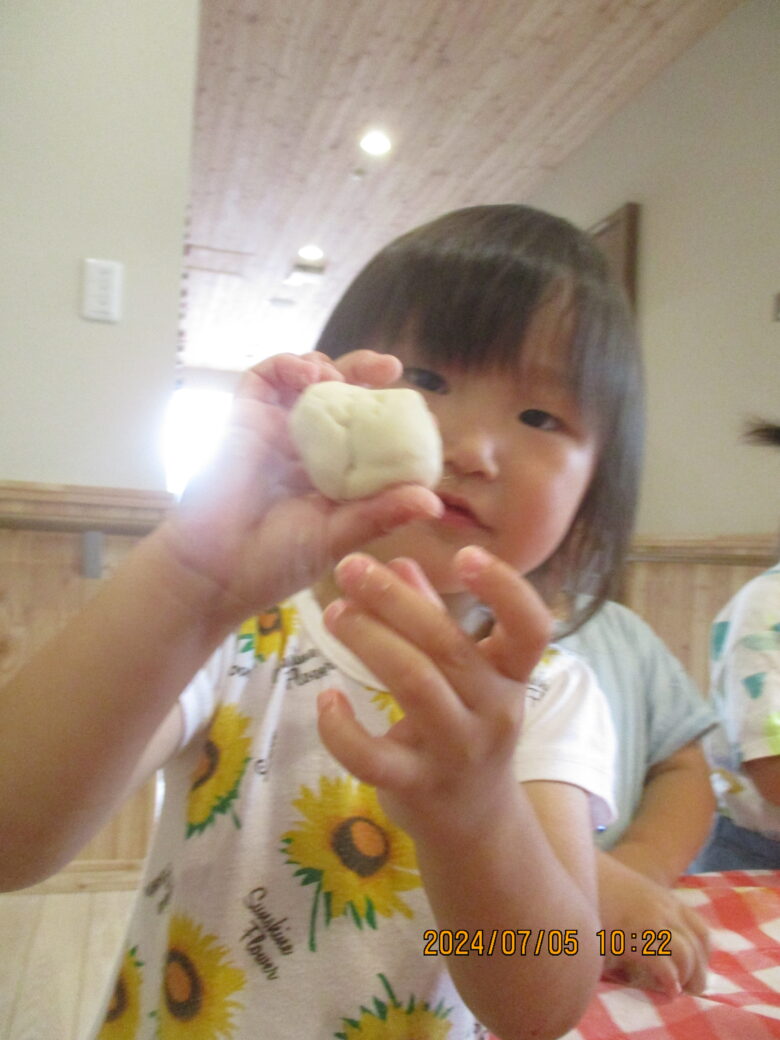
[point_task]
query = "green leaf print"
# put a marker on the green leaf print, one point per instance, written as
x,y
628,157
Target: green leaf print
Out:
x,y
754,684
718,638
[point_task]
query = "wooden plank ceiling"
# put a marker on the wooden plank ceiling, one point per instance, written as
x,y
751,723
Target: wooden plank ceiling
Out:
x,y
481,98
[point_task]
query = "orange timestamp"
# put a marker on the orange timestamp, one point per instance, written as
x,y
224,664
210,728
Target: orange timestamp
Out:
x,y
649,943
446,942
555,942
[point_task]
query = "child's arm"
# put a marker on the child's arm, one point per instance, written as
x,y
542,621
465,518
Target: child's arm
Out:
x,y
77,718
765,774
494,855
635,876
673,818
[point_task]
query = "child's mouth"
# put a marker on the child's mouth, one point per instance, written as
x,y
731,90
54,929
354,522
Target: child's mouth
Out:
x,y
458,513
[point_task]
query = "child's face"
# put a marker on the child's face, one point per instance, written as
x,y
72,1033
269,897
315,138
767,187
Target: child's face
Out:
x,y
518,459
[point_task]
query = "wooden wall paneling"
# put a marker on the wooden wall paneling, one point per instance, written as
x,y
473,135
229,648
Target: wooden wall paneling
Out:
x,y
65,947
42,586
66,507
679,586
20,916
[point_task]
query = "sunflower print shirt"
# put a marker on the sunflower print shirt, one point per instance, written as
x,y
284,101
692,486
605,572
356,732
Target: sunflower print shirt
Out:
x,y
745,690
278,900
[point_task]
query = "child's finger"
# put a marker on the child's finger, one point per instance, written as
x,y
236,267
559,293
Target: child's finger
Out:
x,y
645,974
414,576
684,969
695,979
664,975
523,623
368,368
374,760
279,379
419,623
417,684
354,523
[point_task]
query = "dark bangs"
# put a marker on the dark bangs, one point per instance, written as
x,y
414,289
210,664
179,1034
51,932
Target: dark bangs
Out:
x,y
465,287
467,283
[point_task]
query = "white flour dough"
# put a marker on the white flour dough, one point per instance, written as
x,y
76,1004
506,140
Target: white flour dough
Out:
x,y
354,441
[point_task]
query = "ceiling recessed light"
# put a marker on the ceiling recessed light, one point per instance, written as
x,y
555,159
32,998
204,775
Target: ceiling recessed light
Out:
x,y
311,253
303,274
376,142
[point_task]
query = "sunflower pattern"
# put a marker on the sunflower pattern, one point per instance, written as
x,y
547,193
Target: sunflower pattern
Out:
x,y
387,703
217,777
196,1001
316,871
266,635
124,1009
390,1020
347,847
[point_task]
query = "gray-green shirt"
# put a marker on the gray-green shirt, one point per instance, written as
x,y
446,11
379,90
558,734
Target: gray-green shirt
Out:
x,y
655,706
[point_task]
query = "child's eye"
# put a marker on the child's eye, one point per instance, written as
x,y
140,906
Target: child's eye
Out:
x,y
424,379
539,419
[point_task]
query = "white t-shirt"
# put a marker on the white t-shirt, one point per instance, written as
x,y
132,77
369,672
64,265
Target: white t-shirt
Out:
x,y
278,899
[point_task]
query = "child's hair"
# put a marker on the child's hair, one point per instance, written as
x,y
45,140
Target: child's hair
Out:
x,y
466,287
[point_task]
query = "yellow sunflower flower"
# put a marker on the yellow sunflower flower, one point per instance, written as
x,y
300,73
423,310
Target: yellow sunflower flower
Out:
x,y
392,1021
267,634
386,702
350,850
196,1000
217,777
124,1010
549,655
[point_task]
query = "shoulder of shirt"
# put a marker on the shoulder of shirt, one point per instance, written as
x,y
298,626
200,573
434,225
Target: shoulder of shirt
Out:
x,y
557,660
762,591
612,617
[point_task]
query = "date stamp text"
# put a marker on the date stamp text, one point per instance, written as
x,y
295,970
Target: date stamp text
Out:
x,y
553,942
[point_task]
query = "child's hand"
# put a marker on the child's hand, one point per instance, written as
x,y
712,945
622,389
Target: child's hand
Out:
x,y
251,524
637,909
442,767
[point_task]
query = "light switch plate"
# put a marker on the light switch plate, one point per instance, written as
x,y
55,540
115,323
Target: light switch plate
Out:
x,y
102,290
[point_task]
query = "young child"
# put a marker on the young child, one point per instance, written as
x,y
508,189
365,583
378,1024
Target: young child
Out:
x,y
663,796
744,751
390,877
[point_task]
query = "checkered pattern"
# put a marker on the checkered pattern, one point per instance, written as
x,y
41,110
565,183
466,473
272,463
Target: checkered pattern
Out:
x,y
742,998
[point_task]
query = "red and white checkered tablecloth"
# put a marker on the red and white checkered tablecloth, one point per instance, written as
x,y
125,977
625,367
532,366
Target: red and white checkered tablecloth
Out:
x,y
742,997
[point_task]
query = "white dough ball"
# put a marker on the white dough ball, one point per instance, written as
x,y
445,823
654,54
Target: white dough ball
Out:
x,y
354,441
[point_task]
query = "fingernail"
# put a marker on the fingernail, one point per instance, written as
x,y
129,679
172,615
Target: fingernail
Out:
x,y
333,612
327,700
417,506
471,561
352,567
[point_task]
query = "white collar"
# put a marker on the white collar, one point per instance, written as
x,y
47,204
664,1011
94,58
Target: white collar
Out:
x,y
310,613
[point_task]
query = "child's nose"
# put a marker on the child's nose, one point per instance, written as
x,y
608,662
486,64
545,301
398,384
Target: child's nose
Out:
x,y
471,452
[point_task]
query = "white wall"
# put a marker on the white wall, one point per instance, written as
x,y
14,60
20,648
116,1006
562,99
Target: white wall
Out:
x,y
699,149
95,122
